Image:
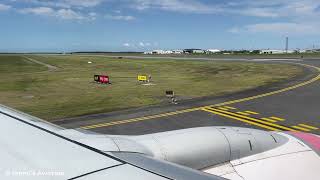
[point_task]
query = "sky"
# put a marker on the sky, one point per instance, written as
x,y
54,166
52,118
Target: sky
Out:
x,y
141,25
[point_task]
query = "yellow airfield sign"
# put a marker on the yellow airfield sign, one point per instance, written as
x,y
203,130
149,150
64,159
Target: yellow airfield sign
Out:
x,y
142,78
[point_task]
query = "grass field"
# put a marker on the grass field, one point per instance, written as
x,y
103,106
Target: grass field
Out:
x,y
69,90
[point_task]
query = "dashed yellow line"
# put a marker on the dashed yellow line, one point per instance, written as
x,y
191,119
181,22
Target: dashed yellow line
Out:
x,y
308,126
277,118
270,120
301,128
225,109
242,120
243,113
252,112
229,107
216,105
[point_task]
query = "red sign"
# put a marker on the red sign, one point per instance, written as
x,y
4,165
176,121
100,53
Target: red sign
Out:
x,y
102,79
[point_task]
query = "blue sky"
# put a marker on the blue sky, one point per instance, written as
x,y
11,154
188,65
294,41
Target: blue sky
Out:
x,y
137,25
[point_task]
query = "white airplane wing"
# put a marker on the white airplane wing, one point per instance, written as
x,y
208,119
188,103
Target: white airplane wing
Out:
x,y
33,149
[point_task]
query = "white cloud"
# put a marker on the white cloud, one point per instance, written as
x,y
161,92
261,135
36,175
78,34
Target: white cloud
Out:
x,y
174,5
284,28
83,3
4,7
141,44
258,12
39,11
277,8
65,14
120,17
298,14
290,17
69,14
92,16
144,44
234,30
65,3
260,8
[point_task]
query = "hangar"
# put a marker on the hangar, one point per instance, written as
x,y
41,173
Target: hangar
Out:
x,y
193,51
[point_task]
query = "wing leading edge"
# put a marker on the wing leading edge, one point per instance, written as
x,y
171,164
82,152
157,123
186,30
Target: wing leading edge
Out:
x,y
34,149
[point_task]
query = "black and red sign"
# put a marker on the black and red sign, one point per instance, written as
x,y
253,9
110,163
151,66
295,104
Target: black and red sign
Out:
x,y
103,79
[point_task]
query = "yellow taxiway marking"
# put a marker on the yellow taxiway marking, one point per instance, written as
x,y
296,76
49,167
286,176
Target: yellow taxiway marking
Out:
x,y
138,119
229,107
222,108
243,113
252,112
278,91
301,128
277,118
253,119
216,105
242,120
270,120
308,126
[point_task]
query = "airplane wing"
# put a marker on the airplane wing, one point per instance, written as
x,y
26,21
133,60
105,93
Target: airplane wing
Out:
x,y
33,149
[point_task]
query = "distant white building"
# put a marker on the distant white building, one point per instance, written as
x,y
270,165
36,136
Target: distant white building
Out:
x,y
198,51
269,51
164,52
177,51
213,51
158,52
193,51
302,51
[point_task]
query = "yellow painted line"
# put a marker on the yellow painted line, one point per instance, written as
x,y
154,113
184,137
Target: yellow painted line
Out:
x,y
138,119
229,107
270,120
243,113
277,118
308,126
225,109
301,128
254,119
220,104
242,120
252,112
275,92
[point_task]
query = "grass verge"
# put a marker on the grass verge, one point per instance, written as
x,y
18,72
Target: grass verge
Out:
x,y
70,91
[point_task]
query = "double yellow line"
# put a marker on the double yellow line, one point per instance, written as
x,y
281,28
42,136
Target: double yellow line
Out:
x,y
220,104
305,127
250,120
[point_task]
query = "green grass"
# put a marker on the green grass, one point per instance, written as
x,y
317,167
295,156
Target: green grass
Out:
x,y
70,90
